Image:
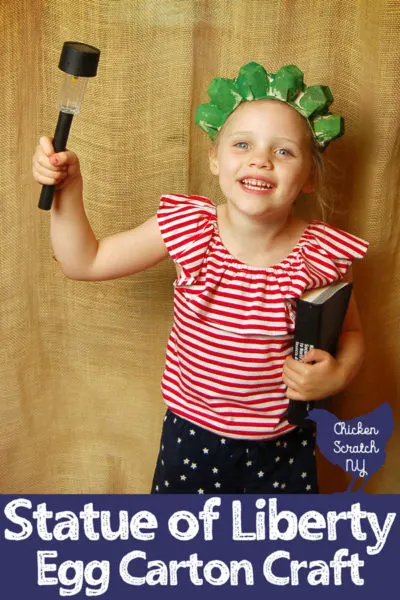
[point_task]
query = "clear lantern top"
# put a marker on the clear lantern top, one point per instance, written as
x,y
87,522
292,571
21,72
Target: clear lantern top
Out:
x,y
71,93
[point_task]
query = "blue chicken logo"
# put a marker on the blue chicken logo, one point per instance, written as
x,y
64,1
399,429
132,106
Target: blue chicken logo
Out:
x,y
356,445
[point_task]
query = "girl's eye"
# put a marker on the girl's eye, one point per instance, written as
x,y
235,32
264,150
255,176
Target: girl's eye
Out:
x,y
283,152
242,145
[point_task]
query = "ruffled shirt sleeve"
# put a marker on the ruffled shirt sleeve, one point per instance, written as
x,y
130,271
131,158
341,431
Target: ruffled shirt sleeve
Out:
x,y
322,256
187,225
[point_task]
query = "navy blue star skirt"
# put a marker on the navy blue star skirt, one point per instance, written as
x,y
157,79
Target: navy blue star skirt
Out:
x,y
193,460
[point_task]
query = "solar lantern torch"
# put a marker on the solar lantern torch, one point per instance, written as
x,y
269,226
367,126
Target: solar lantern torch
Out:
x,y
78,62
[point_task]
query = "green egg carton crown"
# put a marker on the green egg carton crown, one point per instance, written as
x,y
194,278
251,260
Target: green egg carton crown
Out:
x,y
287,85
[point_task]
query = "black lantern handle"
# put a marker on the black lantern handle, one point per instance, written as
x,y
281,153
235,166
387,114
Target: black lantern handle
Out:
x,y
59,144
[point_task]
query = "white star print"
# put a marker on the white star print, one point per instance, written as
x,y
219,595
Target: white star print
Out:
x,y
183,477
304,443
166,483
215,470
193,466
283,486
260,474
277,458
276,484
249,463
174,419
162,462
162,447
285,444
157,488
223,440
179,440
200,491
278,444
186,461
192,432
217,484
291,461
205,450
304,474
308,487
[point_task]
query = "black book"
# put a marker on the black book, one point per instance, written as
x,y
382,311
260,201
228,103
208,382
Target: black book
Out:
x,y
319,318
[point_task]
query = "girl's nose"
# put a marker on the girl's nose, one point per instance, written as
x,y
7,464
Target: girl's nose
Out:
x,y
261,160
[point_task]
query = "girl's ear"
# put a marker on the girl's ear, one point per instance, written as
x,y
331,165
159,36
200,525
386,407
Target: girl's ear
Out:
x,y
311,182
309,186
213,160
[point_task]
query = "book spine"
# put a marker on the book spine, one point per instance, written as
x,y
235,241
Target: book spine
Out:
x,y
306,337
308,323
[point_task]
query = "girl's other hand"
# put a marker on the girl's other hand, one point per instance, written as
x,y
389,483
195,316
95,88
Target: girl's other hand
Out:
x,y
317,376
51,168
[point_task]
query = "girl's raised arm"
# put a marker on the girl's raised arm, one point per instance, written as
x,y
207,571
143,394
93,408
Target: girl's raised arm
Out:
x,y
123,254
75,246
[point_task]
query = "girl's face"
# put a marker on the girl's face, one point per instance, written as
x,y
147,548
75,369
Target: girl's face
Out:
x,y
263,158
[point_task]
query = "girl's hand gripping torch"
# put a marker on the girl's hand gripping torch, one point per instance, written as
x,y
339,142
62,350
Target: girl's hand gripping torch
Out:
x,y
78,62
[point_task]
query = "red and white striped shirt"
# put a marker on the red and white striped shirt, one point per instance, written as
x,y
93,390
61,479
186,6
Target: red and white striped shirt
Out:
x,y
233,323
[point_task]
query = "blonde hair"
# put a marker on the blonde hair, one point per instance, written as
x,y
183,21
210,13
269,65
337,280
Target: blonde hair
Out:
x,y
321,197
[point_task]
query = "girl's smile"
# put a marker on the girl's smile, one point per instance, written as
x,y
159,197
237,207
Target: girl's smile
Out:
x,y
258,186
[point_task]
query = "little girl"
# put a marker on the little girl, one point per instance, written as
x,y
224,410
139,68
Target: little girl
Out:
x,y
240,266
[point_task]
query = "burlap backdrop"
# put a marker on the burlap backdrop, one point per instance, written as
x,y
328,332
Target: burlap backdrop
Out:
x,y
81,363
